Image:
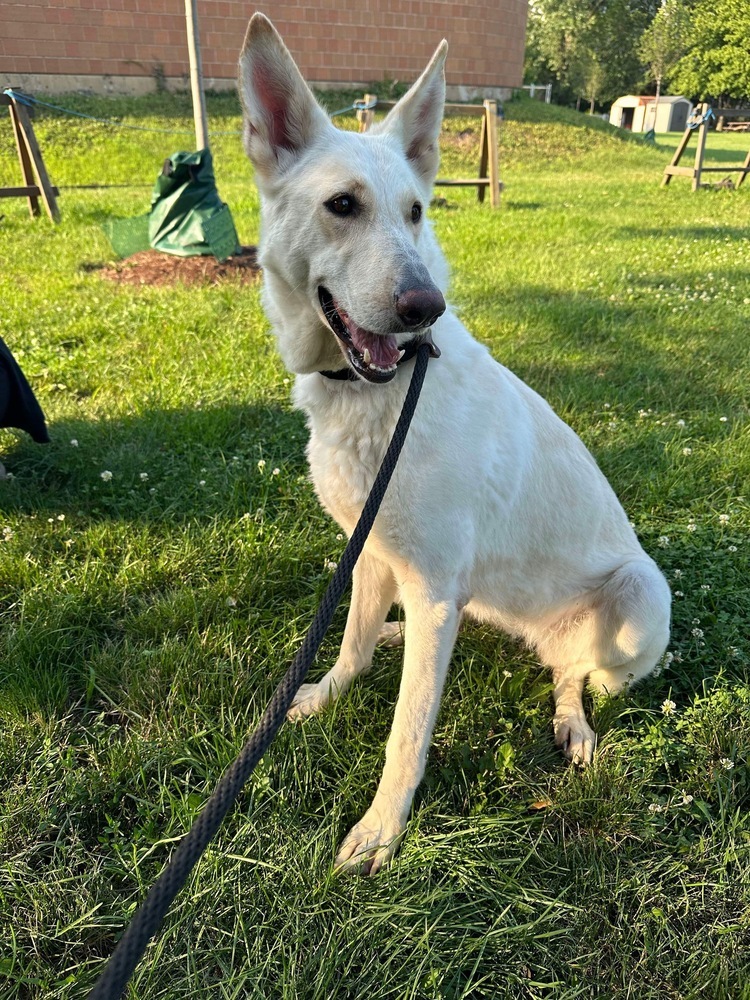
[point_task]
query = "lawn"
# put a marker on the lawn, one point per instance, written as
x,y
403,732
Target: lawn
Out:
x,y
161,559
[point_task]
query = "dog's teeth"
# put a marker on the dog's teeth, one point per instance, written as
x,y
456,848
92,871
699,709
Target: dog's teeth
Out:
x,y
400,355
366,357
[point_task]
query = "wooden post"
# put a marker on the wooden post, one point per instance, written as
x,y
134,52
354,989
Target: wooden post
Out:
x,y
703,129
196,75
25,160
677,157
490,111
366,118
37,183
745,170
483,157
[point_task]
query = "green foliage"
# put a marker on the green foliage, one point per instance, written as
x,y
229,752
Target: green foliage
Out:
x,y
717,65
144,622
589,48
665,40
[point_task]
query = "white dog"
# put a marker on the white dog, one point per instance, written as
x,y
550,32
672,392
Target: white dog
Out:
x,y
496,509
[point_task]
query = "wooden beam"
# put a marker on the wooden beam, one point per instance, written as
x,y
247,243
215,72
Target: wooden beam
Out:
x,y
35,154
32,191
490,108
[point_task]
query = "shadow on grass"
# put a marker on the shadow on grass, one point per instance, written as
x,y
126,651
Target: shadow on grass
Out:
x,y
737,234
181,465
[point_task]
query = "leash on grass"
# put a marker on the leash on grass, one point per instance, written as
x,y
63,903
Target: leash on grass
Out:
x,y
149,915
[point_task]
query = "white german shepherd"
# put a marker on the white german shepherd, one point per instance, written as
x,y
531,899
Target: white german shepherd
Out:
x,y
496,510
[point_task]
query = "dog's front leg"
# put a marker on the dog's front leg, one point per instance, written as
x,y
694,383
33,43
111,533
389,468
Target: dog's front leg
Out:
x,y
373,592
431,627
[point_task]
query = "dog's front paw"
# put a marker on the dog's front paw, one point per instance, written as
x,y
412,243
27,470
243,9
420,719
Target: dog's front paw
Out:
x,y
575,737
309,700
370,845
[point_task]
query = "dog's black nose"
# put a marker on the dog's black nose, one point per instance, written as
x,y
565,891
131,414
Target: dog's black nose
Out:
x,y
418,307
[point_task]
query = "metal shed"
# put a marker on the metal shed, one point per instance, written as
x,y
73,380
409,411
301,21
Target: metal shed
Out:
x,y
639,114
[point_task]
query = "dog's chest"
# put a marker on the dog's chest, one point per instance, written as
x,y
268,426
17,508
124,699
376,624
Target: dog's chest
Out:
x,y
349,435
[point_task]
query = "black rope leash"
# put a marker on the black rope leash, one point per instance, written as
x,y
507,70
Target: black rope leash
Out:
x,y
149,915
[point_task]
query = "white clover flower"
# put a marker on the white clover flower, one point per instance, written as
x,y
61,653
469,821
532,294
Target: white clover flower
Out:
x,y
507,674
726,763
202,482
74,442
677,574
723,420
686,799
339,538
655,807
152,490
697,633
143,476
106,475
261,464
276,472
723,518
679,593
231,602
732,548
705,586
668,706
692,526
663,541
687,451
60,517
330,565
680,423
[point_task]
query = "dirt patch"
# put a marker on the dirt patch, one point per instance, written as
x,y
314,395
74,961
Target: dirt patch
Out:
x,y
151,267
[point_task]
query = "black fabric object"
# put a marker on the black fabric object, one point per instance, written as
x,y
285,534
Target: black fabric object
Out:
x,y
18,405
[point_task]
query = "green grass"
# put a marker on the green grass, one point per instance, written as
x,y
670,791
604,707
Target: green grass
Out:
x,y
145,620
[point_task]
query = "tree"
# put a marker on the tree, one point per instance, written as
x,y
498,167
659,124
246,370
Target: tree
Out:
x,y
717,63
665,40
588,47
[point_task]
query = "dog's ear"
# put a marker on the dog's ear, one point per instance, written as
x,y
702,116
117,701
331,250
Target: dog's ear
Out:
x,y
418,116
281,114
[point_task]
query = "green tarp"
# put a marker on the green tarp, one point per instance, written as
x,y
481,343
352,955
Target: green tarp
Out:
x,y
187,216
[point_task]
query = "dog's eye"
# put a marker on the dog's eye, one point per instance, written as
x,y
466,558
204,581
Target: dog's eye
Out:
x,y
342,204
416,212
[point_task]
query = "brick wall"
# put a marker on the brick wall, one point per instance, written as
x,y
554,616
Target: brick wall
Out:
x,y
125,45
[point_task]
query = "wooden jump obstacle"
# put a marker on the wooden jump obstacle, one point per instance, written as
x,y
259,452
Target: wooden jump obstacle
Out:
x,y
697,170
36,181
489,171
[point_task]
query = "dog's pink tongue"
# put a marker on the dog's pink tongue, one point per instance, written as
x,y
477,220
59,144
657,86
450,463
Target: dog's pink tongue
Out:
x,y
382,348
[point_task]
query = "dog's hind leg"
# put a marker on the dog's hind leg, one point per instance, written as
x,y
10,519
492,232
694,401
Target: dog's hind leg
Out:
x,y
431,627
391,635
617,639
373,592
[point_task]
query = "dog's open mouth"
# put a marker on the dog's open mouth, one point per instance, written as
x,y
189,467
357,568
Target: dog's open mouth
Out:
x,y
373,356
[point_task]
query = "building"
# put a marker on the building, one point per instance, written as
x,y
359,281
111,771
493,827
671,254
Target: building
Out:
x,y
136,46
639,114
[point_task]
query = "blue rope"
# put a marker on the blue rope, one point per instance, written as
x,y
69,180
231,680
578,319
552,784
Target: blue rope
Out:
x,y
28,100
704,118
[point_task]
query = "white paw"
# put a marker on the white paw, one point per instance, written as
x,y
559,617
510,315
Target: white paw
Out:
x,y
575,737
309,700
370,845
391,635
